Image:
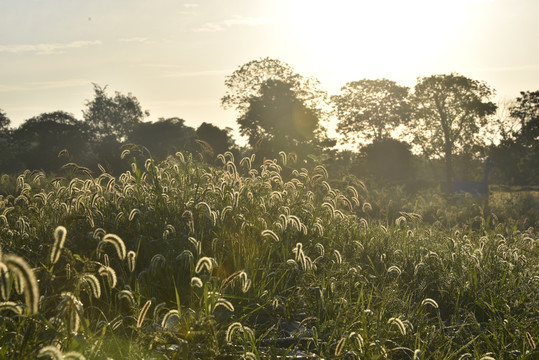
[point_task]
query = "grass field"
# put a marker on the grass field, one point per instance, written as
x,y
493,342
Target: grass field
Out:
x,y
182,260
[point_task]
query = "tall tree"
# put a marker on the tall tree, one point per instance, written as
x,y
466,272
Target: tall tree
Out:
x,y
113,116
370,109
219,139
39,140
4,122
164,137
245,83
526,109
449,112
275,105
277,114
7,158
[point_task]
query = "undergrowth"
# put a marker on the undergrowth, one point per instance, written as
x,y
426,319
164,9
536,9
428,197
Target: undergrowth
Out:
x,y
184,260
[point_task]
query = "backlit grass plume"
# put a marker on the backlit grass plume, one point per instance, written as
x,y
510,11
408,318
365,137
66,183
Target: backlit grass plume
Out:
x,y
116,241
59,239
26,278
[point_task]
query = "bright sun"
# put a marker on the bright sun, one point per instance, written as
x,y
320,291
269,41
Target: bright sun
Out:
x,y
372,34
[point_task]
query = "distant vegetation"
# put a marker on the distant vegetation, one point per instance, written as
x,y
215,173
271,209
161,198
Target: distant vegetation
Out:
x,y
127,239
449,122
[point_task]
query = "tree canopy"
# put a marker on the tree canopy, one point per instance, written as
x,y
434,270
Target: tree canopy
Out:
x,y
526,109
219,139
278,109
4,121
39,140
113,116
449,111
246,82
370,109
277,113
164,137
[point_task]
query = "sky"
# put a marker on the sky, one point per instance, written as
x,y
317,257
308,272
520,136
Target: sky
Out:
x,y
174,55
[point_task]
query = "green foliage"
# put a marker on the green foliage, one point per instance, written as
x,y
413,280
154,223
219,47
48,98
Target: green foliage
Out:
x,y
39,141
4,122
164,137
219,140
517,158
184,260
370,109
278,109
390,160
449,111
115,116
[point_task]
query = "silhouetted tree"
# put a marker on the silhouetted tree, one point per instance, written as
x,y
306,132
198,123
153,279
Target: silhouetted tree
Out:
x,y
517,157
449,110
389,160
219,139
276,107
7,156
526,110
39,140
370,109
164,137
115,116
4,122
277,115
245,83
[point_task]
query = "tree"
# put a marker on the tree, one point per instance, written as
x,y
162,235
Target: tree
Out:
x,y
219,139
4,122
39,140
164,137
517,157
389,160
526,110
276,106
114,117
449,112
6,152
370,109
277,114
245,83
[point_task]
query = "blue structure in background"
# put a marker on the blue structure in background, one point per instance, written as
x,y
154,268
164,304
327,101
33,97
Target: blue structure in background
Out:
x,y
479,188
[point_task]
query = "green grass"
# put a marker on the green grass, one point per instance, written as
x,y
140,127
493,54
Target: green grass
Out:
x,y
228,262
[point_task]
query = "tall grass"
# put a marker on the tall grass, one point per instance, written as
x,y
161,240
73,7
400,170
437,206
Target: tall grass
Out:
x,y
185,260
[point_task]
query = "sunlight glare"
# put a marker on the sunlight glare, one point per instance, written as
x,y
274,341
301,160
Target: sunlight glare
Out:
x,y
372,35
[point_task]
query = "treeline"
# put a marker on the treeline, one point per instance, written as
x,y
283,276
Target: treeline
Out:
x,y
50,140
440,130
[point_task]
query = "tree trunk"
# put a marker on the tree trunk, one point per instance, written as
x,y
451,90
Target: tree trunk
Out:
x,y
449,171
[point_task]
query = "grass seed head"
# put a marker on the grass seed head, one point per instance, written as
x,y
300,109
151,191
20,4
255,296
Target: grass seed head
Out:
x,y
204,263
91,283
26,278
429,301
117,242
399,323
11,306
59,240
131,260
108,273
51,352
196,282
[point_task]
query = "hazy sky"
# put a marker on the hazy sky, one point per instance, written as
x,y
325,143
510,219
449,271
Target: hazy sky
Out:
x,y
174,55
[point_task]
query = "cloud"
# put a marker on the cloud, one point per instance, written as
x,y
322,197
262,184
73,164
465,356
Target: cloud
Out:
x,y
234,21
47,48
196,73
40,85
134,39
209,27
248,21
